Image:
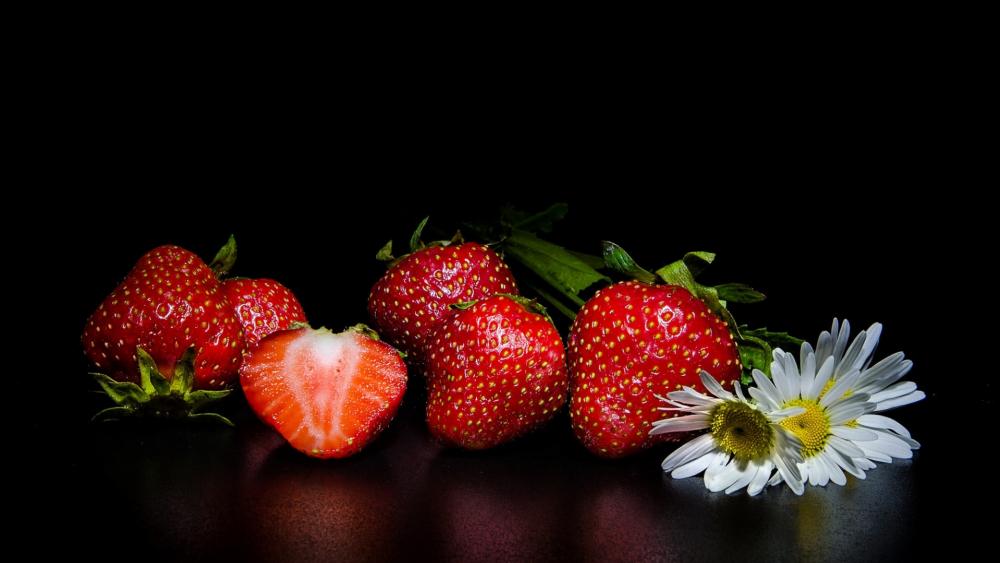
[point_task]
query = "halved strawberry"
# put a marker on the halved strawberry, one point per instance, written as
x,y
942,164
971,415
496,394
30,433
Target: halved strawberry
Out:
x,y
328,394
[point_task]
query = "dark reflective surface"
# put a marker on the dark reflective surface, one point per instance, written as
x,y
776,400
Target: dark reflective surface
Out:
x,y
209,492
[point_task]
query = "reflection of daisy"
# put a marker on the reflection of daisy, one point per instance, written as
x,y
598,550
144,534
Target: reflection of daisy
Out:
x,y
892,440
743,447
826,428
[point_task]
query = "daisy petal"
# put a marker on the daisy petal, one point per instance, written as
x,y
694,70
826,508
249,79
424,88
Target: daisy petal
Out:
x,y
822,376
691,450
853,434
757,483
840,388
766,386
716,467
864,464
690,397
883,422
824,346
680,424
851,359
832,469
849,409
776,416
900,401
744,479
848,448
888,444
897,390
871,341
778,376
841,343
692,468
713,386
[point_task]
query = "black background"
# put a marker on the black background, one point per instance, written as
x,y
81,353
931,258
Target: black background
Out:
x,y
845,207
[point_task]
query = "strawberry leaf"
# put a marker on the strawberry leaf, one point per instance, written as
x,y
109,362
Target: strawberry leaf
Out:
x,y
775,339
385,253
566,273
183,378
739,293
617,259
698,260
153,382
198,399
224,258
122,392
415,243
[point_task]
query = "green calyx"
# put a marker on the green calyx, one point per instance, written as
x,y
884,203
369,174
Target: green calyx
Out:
x,y
159,397
385,253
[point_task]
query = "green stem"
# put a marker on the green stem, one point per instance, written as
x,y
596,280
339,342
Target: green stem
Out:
x,y
559,306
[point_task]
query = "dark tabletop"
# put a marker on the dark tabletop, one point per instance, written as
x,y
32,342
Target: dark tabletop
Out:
x,y
215,493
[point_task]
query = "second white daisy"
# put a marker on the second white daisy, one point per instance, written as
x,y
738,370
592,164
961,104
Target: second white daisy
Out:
x,y
879,381
827,429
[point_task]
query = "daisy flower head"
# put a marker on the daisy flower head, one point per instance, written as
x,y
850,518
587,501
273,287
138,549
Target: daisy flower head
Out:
x,y
744,445
879,381
826,428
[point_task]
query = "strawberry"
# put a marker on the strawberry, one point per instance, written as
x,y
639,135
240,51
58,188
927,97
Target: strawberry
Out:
x,y
495,371
630,342
328,394
263,306
170,301
412,299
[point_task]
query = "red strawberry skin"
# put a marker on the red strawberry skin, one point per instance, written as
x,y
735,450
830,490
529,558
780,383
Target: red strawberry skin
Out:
x,y
327,394
412,299
495,371
632,341
171,300
263,306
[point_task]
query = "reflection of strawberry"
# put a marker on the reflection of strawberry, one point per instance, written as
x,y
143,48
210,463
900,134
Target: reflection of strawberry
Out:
x,y
170,301
328,394
632,341
263,306
412,299
495,372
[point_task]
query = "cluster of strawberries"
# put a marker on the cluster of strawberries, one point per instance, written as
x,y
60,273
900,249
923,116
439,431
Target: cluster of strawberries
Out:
x,y
172,337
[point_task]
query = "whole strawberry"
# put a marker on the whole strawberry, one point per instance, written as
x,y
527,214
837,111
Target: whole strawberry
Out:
x,y
630,342
495,371
170,301
413,298
263,306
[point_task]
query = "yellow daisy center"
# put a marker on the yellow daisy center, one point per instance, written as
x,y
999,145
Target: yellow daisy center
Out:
x,y
812,427
741,430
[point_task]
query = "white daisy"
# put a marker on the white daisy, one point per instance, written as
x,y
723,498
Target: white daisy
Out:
x,y
826,429
744,445
880,382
